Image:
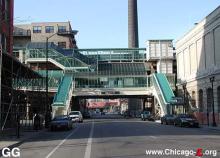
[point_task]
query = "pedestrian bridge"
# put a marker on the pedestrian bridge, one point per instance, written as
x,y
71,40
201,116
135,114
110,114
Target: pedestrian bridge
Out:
x,y
90,73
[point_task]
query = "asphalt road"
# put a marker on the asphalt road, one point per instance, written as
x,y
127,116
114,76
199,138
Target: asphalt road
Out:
x,y
118,138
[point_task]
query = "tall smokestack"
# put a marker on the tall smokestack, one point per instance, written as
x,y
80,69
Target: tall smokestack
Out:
x,y
132,24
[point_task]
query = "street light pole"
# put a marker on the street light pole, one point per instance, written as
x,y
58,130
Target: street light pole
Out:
x,y
212,79
184,97
46,98
207,115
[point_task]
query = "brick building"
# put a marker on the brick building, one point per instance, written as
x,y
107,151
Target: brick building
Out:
x,y
62,32
6,25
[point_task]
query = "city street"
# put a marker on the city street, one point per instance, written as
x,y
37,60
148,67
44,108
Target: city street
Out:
x,y
122,79
118,138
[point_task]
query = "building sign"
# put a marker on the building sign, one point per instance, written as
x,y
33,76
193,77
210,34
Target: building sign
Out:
x,y
177,101
110,92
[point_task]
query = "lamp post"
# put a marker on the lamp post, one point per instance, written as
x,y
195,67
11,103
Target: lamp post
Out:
x,y
184,96
47,106
207,114
212,79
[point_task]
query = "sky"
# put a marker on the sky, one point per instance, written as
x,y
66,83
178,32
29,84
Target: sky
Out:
x,y
104,23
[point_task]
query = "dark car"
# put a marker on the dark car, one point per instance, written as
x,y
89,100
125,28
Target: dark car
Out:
x,y
126,114
167,119
145,115
102,113
61,122
86,114
183,120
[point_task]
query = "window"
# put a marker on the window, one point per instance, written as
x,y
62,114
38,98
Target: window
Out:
x,y
61,29
193,99
37,29
49,29
62,44
200,100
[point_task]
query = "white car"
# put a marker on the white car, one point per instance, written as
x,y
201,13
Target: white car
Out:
x,y
76,116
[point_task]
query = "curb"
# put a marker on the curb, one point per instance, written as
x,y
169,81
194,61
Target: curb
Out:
x,y
210,128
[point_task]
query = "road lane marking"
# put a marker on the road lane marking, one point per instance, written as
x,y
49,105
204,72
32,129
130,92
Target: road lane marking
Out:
x,y
153,137
89,143
74,131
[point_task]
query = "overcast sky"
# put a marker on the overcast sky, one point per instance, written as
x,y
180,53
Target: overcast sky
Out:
x,y
103,23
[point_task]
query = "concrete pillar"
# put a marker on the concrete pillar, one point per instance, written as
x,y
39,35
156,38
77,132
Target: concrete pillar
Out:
x,y
75,104
143,104
134,104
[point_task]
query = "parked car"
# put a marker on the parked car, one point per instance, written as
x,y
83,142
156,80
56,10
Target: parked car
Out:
x,y
152,118
186,120
167,119
61,122
145,115
138,114
76,116
86,114
127,114
102,113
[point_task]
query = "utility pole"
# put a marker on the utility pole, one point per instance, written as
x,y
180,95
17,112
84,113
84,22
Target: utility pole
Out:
x,y
46,84
0,78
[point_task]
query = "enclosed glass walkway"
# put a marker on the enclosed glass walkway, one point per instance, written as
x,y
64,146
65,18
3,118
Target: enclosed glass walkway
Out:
x,y
94,68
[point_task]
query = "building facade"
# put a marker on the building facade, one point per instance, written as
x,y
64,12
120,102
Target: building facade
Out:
x,y
161,56
6,39
6,25
62,33
198,67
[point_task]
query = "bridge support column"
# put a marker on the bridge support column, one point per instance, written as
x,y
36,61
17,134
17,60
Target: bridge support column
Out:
x,y
169,109
75,104
82,104
143,104
134,105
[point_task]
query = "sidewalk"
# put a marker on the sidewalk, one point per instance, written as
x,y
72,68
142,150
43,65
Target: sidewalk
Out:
x,y
210,127
9,139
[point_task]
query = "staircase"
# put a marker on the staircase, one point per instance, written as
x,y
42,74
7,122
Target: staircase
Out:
x,y
36,54
163,92
74,53
64,57
61,102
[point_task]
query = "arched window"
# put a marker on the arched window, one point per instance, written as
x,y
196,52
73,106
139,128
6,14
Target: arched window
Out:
x,y
200,100
209,99
193,99
218,98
